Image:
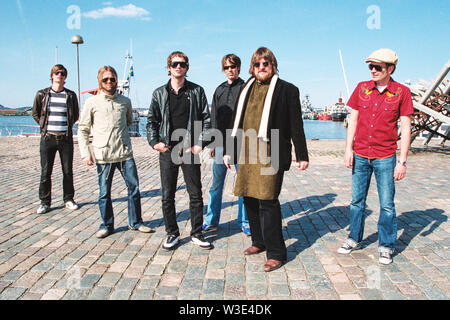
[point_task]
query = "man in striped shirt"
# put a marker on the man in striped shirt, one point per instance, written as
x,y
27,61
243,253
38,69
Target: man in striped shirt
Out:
x,y
56,110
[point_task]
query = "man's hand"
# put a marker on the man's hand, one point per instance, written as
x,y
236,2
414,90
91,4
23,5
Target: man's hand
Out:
x,y
88,160
348,158
399,172
302,165
195,149
226,161
160,147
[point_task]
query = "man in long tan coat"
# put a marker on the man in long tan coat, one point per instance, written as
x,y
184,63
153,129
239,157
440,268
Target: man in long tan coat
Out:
x,y
268,114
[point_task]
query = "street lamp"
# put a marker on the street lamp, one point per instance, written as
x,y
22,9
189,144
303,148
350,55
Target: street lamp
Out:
x,y
77,39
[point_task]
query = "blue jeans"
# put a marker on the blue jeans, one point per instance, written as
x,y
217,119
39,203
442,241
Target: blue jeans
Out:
x,y
215,194
105,176
387,222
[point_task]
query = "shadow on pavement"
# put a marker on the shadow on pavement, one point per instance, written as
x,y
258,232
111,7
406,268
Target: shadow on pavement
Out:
x,y
315,222
413,224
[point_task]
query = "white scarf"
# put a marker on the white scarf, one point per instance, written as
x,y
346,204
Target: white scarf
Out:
x,y
262,133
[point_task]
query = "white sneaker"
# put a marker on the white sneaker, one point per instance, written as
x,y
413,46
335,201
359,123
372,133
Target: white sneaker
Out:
x,y
71,205
171,242
145,229
385,258
43,208
102,233
348,247
200,241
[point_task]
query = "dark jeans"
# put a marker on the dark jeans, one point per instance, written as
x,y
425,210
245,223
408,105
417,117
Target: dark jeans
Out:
x,y
49,145
265,224
105,176
169,177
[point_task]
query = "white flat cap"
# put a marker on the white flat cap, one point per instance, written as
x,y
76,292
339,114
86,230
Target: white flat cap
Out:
x,y
383,55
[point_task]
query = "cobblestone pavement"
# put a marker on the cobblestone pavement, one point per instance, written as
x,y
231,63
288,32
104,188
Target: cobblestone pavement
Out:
x,y
57,256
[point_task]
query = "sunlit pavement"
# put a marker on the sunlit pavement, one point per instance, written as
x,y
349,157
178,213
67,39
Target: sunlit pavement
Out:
x,y
57,256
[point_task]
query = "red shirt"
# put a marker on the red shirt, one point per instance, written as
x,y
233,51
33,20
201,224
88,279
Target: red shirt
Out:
x,y
376,131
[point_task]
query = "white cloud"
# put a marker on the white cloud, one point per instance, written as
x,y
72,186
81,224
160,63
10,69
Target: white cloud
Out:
x,y
128,11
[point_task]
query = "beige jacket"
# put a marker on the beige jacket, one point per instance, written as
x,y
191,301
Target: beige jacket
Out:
x,y
108,118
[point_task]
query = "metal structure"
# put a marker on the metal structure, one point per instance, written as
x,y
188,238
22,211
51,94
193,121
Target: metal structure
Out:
x,y
77,39
432,109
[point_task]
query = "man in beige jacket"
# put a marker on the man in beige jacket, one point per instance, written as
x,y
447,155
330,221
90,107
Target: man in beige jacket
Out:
x,y
107,116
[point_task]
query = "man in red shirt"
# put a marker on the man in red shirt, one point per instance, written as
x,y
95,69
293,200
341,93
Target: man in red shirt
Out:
x,y
371,146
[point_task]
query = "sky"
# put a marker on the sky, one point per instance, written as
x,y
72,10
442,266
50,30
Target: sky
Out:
x,y
305,36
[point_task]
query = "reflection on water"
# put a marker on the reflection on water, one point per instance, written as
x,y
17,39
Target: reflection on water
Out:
x,y
314,129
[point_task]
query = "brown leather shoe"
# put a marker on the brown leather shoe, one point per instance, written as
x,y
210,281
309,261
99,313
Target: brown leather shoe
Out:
x,y
272,264
252,250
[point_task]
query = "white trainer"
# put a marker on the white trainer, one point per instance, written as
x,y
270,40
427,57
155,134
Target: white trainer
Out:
x,y
385,258
171,242
348,246
102,233
71,205
43,208
200,241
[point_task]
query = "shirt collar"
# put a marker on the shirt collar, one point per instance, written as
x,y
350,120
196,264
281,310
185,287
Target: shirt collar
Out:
x,y
390,86
63,90
113,97
170,89
235,82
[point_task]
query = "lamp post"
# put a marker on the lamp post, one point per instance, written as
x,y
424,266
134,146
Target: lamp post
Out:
x,y
77,39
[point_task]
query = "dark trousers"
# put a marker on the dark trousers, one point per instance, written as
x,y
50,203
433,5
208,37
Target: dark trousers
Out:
x,y
264,217
192,178
49,145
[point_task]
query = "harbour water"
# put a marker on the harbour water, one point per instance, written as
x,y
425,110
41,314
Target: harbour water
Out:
x,y
314,129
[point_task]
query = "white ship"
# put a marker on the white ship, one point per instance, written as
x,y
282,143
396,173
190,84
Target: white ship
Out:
x,y
338,111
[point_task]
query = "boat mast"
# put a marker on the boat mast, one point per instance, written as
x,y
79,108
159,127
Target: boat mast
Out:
x,y
345,76
128,57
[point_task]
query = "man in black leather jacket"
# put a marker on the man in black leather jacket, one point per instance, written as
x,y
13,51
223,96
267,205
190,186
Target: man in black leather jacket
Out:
x,y
177,127
56,110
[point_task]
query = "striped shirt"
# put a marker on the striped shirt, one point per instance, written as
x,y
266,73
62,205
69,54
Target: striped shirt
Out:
x,y
57,113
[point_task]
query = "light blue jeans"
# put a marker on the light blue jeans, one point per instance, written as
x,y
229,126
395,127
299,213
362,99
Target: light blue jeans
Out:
x,y
105,174
215,194
387,221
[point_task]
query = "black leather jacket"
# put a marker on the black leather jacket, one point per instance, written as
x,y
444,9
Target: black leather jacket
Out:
x,y
224,101
40,109
158,119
